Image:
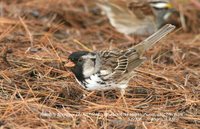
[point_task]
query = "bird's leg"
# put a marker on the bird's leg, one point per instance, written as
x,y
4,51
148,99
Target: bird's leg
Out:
x,y
122,93
103,96
134,38
131,39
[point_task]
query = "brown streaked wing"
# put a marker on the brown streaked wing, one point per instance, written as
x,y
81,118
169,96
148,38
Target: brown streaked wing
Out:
x,y
109,60
119,60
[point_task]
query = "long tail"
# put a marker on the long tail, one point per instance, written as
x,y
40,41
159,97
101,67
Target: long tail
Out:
x,y
154,38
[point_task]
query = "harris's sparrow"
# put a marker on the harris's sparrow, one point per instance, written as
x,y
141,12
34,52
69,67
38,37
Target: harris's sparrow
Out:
x,y
139,17
111,69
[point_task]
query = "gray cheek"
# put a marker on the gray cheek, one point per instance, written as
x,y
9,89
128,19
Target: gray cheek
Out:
x,y
97,64
88,68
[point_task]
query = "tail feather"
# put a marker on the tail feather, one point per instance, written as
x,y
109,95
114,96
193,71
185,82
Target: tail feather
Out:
x,y
154,38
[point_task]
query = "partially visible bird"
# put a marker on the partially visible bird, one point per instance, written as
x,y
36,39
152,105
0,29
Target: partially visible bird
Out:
x,y
138,17
111,69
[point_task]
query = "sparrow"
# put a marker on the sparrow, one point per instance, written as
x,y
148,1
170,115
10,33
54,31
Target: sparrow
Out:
x,y
138,17
111,69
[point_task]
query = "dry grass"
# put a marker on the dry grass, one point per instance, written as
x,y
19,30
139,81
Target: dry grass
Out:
x,y
37,91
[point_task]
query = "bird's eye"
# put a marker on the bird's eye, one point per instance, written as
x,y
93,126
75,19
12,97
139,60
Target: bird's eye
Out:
x,y
80,60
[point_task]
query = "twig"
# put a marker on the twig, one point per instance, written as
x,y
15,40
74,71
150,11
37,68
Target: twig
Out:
x,y
27,31
82,45
196,3
54,49
4,56
159,76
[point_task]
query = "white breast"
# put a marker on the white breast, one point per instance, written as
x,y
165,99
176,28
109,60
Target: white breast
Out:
x,y
94,82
